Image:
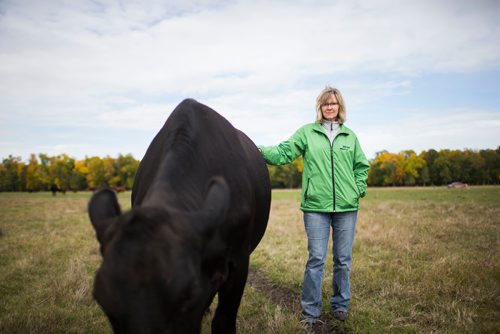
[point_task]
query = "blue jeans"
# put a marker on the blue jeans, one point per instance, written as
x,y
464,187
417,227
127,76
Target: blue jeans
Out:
x,y
317,227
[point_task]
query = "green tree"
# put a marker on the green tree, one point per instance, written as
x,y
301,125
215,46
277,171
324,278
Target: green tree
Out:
x,y
491,166
393,168
96,173
10,179
443,164
33,182
43,172
432,170
110,174
413,166
375,173
473,167
286,176
126,167
60,171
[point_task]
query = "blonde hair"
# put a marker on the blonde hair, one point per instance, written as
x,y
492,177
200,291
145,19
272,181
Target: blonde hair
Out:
x,y
323,96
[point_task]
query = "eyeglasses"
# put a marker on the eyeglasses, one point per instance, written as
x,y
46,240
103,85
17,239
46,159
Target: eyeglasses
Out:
x,y
333,104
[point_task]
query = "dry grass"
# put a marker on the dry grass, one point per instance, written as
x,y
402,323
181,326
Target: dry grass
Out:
x,y
425,261
436,263
48,255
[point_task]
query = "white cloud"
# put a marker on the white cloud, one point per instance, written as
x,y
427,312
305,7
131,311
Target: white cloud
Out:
x,y
125,65
267,43
424,130
144,117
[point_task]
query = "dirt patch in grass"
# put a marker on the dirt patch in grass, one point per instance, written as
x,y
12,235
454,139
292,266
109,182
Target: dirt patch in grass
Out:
x,y
289,300
282,296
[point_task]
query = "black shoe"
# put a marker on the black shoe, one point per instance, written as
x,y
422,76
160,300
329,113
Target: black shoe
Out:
x,y
340,315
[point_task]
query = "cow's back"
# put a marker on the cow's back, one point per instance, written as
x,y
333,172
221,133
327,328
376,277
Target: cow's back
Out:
x,y
194,145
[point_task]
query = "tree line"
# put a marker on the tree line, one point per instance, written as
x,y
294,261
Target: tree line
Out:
x,y
43,172
405,168
433,167
408,168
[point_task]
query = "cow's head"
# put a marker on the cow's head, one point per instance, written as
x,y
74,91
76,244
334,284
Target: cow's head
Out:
x,y
152,278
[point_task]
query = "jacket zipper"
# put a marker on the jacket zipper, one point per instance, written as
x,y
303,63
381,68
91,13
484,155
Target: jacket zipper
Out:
x,y
333,164
333,173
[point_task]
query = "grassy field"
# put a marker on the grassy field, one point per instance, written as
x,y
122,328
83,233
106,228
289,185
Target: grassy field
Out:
x,y
425,261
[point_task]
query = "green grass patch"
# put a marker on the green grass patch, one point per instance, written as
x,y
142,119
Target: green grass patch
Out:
x,y
474,194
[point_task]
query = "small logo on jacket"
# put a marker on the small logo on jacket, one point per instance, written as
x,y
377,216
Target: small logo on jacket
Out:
x,y
345,147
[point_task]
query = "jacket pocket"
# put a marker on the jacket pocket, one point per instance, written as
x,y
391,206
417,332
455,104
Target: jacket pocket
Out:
x,y
306,192
356,190
358,193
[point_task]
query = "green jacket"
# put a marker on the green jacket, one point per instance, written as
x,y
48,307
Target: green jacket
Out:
x,y
334,176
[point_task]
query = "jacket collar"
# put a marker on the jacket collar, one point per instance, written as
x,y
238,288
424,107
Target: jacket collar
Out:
x,y
319,128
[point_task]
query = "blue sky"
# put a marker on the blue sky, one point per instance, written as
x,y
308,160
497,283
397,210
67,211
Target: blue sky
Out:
x,y
100,78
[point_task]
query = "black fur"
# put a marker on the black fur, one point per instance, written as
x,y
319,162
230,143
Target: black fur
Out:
x,y
200,206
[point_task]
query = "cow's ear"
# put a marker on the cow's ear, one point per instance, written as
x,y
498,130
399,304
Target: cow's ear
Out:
x,y
216,204
103,206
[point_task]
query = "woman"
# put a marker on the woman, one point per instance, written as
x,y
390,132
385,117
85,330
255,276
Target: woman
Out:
x,y
333,180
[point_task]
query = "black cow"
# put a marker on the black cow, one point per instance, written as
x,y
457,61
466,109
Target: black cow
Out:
x,y
200,205
54,189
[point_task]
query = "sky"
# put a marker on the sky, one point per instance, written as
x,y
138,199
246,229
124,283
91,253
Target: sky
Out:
x,y
99,78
